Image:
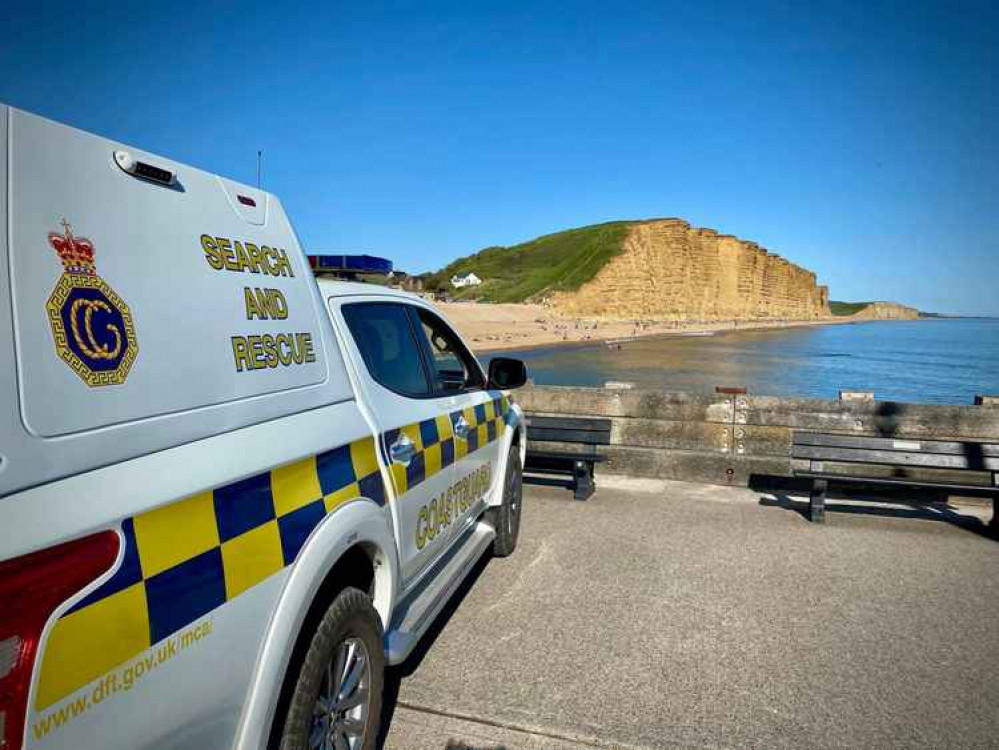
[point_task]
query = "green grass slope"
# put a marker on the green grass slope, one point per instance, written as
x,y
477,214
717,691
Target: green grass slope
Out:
x,y
847,308
521,273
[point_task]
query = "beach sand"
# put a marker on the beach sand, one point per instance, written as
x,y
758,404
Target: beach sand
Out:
x,y
513,326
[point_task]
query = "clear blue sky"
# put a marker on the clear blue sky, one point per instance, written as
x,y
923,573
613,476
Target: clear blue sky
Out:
x,y
858,140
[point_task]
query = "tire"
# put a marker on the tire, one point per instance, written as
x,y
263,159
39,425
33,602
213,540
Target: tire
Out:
x,y
349,627
505,518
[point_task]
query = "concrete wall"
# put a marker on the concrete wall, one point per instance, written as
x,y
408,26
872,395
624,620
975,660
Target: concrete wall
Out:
x,y
724,439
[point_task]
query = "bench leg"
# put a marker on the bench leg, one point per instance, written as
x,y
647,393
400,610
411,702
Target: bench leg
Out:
x,y
817,501
584,486
994,523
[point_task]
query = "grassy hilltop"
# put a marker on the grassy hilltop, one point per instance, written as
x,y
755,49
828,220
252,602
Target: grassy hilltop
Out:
x,y
874,310
847,308
562,261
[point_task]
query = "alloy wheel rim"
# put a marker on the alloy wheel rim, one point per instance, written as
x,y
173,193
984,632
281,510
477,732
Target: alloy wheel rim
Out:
x,y
340,713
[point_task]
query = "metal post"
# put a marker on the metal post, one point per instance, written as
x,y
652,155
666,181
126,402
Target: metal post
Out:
x,y
994,523
817,499
583,481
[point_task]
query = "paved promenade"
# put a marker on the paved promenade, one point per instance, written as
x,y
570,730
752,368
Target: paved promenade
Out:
x,y
684,615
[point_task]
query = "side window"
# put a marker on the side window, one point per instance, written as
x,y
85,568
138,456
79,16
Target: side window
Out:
x,y
453,367
391,353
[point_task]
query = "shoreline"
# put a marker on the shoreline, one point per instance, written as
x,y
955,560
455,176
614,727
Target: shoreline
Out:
x,y
686,333
492,329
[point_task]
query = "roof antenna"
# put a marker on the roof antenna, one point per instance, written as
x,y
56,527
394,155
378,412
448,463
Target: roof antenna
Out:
x,y
259,153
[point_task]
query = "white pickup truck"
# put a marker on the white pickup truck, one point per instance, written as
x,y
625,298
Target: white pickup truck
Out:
x,y
229,494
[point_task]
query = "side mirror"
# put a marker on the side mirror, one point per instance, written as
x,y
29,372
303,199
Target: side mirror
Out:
x,y
506,372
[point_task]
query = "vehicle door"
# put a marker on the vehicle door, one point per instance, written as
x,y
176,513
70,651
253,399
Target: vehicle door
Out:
x,y
412,419
477,419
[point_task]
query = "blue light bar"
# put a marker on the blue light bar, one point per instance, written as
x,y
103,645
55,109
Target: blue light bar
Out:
x,y
350,264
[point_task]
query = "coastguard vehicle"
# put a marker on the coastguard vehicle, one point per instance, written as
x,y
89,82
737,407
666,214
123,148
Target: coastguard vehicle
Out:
x,y
229,495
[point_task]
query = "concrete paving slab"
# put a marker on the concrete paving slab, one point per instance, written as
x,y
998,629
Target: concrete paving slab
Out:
x,y
682,615
418,729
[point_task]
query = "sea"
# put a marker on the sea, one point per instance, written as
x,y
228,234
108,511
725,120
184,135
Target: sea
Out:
x,y
928,361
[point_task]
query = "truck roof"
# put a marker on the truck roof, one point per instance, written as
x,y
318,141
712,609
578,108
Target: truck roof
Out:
x,y
338,288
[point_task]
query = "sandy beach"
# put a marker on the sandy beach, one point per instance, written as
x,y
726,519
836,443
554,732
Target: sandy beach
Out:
x,y
497,327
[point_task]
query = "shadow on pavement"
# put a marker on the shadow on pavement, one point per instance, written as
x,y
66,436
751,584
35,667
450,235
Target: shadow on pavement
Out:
x,y
928,509
394,675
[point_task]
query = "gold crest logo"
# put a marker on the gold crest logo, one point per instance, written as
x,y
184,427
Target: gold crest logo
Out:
x,y
92,326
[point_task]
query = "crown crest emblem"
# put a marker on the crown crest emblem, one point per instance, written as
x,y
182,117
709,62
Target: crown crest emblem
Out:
x,y
76,253
91,325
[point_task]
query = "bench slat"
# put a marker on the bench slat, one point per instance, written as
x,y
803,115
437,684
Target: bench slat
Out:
x,y
567,470
559,455
569,423
896,458
568,436
910,445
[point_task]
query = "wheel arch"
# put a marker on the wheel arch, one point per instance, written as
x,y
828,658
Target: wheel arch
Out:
x,y
516,428
353,546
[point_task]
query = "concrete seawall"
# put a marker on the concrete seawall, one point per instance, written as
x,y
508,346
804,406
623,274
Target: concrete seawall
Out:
x,y
727,439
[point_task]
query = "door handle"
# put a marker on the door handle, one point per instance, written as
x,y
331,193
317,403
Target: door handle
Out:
x,y
402,450
461,428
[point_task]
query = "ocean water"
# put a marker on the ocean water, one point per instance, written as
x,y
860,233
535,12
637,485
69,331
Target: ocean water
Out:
x,y
930,361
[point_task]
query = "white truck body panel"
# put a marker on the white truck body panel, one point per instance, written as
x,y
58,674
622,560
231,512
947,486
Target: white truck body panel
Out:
x,y
235,480
147,248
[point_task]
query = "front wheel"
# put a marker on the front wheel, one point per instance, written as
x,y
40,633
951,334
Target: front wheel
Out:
x,y
337,699
505,518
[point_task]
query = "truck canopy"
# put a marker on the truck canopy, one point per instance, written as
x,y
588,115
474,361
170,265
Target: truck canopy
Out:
x,y
150,304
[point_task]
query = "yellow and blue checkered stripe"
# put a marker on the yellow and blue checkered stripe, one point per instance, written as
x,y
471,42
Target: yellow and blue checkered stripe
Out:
x,y
437,444
186,559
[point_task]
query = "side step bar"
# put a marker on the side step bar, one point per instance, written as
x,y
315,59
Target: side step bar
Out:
x,y
417,612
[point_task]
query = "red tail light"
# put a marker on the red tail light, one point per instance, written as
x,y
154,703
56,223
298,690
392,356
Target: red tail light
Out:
x,y
31,587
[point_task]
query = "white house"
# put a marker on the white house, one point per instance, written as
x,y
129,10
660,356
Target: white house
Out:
x,y
465,279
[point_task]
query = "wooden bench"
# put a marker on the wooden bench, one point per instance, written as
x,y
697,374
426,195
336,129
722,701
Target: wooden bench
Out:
x,y
961,459
589,432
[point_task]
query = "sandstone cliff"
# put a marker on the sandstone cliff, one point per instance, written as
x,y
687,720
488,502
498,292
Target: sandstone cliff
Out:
x,y
887,311
669,270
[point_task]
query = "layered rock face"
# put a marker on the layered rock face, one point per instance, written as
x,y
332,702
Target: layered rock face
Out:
x,y
670,270
887,311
